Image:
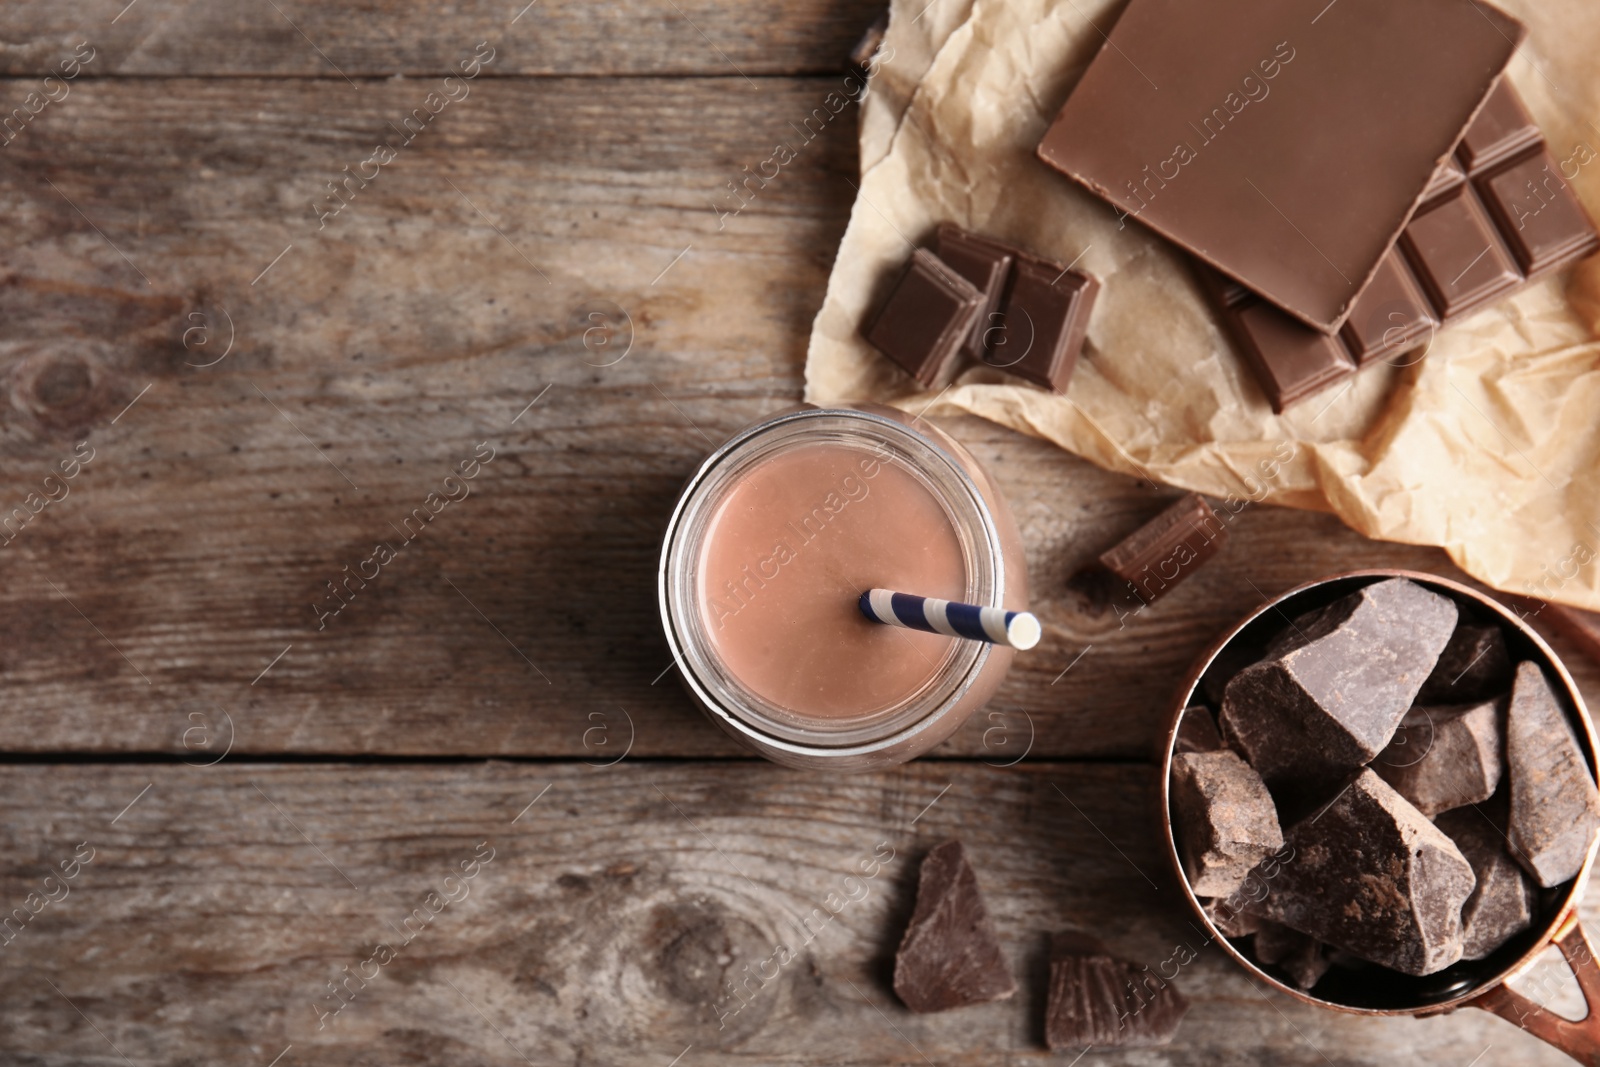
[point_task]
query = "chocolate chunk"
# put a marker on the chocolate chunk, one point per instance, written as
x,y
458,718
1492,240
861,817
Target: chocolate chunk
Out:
x,y
1445,757
1197,731
1372,876
1097,999
1168,548
1474,666
1042,322
987,265
1503,903
1230,918
1339,683
1303,957
1288,156
950,955
1226,821
1555,810
926,318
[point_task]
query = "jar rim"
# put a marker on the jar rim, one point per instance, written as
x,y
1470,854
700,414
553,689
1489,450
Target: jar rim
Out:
x,y
737,707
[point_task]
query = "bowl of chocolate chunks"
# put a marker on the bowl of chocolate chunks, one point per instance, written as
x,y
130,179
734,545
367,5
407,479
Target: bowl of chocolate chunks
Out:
x,y
1380,797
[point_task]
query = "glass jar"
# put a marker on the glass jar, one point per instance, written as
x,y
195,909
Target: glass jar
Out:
x,y
771,543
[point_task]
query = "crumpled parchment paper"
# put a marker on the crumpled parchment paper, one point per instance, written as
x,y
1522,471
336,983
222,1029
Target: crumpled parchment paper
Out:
x,y
1487,446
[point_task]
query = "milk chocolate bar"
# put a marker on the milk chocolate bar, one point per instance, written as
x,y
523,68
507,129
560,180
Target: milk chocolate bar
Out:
x,y
1496,217
1286,144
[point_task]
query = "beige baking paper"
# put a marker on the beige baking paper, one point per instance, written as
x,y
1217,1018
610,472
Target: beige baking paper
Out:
x,y
1487,447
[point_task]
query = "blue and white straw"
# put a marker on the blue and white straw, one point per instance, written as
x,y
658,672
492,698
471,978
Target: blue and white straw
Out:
x,y
1018,629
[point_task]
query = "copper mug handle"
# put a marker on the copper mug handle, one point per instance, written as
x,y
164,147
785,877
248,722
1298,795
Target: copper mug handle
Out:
x,y
1579,1038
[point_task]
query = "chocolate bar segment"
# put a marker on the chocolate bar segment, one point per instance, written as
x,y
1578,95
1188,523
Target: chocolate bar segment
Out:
x,y
1495,218
1284,145
984,263
1165,550
1042,321
926,318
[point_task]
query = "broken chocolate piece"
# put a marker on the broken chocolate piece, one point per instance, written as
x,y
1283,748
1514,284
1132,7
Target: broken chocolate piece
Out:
x,y
1555,810
1371,875
1100,1000
1043,318
1474,666
987,265
1303,956
1503,903
1328,699
926,318
950,955
1226,821
1168,548
1197,731
1443,758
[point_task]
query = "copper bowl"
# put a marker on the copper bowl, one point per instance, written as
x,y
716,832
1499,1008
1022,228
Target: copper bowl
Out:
x,y
1467,983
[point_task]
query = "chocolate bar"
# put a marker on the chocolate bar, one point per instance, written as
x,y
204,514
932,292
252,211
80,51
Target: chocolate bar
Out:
x,y
926,318
1165,550
1284,144
1495,218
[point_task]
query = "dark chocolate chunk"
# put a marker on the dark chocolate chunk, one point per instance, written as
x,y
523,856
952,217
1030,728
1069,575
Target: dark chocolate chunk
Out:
x,y
1286,155
1461,258
1329,698
1097,999
1504,903
926,318
1372,876
950,955
1042,322
1226,821
1445,757
1197,731
987,265
1168,548
1302,956
1555,810
1474,666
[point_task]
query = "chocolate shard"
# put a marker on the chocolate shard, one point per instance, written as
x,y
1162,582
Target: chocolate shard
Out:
x,y
1197,731
1332,690
1372,876
1504,903
1097,999
1302,956
1443,758
1555,810
1226,821
1474,666
950,955
926,318
1168,548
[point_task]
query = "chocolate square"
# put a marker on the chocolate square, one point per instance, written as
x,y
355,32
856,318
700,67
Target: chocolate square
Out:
x,y
926,318
1043,319
984,263
1463,262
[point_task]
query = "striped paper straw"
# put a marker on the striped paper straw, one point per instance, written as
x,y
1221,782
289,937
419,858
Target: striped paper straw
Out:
x,y
1018,629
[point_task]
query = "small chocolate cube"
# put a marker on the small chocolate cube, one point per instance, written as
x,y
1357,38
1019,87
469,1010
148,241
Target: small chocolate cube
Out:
x,y
1504,903
1226,821
1097,999
926,318
1443,758
1197,731
950,955
1555,810
1372,876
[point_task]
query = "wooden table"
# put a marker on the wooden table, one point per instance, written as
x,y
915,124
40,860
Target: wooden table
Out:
x,y
270,788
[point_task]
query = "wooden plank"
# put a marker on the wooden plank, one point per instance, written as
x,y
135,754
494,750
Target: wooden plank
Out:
x,y
161,593
616,908
380,38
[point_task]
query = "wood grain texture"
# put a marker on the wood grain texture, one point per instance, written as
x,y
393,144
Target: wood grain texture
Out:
x,y
380,38
608,923
374,356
